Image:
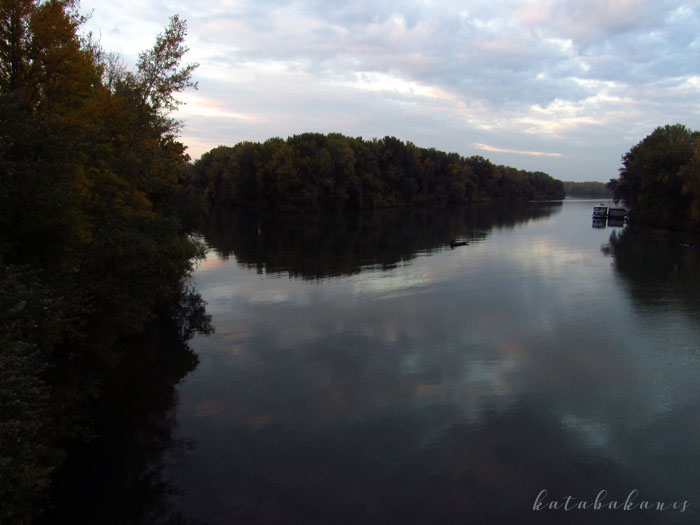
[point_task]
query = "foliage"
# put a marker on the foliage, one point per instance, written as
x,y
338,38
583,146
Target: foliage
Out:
x,y
159,75
30,321
660,179
587,190
92,245
42,61
312,172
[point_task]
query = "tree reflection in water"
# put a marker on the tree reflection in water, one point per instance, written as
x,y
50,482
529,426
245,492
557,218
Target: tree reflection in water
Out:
x,y
658,266
119,476
317,246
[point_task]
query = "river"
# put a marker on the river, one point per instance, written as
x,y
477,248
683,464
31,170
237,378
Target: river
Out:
x,y
362,370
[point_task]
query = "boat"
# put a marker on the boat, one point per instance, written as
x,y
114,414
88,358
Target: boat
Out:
x,y
454,244
600,211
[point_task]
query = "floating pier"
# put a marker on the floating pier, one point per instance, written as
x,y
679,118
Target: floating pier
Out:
x,y
605,216
602,211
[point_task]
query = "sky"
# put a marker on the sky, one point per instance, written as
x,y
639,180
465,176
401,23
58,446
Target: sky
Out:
x,y
561,86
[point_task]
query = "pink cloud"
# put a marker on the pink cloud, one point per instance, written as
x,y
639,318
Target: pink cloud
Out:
x,y
486,147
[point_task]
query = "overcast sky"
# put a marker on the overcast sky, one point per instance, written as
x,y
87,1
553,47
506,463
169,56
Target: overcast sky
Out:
x,y
561,86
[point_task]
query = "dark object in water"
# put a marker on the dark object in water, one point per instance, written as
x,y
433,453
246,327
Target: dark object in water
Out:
x,y
617,213
454,244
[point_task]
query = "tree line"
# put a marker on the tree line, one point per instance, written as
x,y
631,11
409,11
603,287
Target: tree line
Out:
x,y
660,179
587,190
93,245
313,172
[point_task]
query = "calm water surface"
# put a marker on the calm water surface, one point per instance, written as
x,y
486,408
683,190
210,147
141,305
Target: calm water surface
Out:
x,y
362,371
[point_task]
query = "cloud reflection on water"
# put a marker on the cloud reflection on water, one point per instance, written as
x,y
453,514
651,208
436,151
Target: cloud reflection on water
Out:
x,y
514,365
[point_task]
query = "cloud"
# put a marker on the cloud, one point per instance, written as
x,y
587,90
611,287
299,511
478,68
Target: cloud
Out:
x,y
591,21
208,107
486,147
542,75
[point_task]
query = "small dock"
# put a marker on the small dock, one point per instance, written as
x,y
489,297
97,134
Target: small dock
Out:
x,y
603,216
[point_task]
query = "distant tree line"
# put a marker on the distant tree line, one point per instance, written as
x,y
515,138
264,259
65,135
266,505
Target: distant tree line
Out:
x,y
660,179
587,190
92,243
314,172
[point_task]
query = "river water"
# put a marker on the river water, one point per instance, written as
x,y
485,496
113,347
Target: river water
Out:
x,y
364,371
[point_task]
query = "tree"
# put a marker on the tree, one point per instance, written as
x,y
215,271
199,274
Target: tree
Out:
x,y
690,174
159,74
43,63
312,172
90,170
654,174
47,82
